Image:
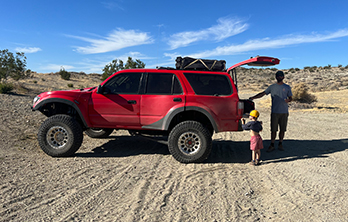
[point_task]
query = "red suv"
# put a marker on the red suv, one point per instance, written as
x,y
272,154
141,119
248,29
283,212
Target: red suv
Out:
x,y
184,106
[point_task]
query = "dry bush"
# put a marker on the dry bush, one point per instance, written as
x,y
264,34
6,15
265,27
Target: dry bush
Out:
x,y
301,94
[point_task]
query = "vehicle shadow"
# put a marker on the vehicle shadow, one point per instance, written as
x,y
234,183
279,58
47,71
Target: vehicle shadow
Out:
x,y
222,151
123,146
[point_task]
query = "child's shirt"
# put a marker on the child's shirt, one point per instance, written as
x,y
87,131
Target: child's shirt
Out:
x,y
252,125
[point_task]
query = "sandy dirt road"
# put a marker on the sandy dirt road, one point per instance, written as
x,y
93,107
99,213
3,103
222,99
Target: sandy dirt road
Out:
x,y
126,178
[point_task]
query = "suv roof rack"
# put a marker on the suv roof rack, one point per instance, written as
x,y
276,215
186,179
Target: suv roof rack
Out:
x,y
161,67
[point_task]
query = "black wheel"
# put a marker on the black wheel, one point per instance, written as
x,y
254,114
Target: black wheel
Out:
x,y
60,135
190,142
98,132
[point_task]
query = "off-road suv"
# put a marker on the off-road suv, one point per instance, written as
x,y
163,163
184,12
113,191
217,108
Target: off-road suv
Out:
x,y
184,106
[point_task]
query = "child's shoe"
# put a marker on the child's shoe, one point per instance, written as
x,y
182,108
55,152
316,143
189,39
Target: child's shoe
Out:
x,y
253,163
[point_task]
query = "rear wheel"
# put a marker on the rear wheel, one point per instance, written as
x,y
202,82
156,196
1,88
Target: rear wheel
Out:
x,y
60,135
98,132
190,142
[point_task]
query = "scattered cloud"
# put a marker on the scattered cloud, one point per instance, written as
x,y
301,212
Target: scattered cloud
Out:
x,y
268,43
116,40
225,28
111,5
56,67
28,49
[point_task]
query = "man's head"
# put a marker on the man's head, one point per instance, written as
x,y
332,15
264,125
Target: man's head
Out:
x,y
279,76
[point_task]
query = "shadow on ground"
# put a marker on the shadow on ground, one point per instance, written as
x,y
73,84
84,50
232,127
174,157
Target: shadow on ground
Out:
x,y
222,151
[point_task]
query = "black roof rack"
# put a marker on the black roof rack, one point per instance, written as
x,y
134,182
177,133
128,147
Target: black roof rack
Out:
x,y
169,68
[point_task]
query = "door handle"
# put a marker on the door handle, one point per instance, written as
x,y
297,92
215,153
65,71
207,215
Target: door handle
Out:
x,y
132,102
177,100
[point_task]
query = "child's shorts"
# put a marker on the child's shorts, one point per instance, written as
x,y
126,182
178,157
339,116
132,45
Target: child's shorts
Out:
x,y
256,143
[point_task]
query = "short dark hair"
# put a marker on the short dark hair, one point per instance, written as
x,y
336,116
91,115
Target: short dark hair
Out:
x,y
279,73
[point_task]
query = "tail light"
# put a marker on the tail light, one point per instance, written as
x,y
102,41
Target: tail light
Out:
x,y
240,108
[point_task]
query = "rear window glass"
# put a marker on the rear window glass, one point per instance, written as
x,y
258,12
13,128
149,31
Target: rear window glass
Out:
x,y
209,84
163,84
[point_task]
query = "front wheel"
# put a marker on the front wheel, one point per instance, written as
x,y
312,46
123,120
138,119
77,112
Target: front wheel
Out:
x,y
98,132
60,135
190,142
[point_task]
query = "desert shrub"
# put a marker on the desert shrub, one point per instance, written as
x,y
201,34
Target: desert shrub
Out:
x,y
5,88
70,85
301,94
64,74
312,69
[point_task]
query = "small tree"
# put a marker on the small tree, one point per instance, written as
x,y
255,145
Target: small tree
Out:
x,y
117,65
13,66
64,74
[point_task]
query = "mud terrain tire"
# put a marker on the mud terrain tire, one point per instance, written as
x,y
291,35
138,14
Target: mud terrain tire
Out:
x,y
60,135
98,132
190,142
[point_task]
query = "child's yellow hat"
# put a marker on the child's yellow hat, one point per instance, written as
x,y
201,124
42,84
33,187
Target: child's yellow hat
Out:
x,y
254,113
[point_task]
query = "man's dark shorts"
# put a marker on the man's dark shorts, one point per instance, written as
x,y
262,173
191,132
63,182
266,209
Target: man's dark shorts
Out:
x,y
280,119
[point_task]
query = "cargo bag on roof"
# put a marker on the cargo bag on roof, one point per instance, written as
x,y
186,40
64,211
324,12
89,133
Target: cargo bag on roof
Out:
x,y
200,64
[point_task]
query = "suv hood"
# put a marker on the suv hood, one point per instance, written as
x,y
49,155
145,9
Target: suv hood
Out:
x,y
62,94
73,92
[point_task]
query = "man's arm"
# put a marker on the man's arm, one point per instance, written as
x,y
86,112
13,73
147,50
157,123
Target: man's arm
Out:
x,y
289,99
257,96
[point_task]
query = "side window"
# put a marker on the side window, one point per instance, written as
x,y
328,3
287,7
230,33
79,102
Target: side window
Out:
x,y
163,84
124,83
209,84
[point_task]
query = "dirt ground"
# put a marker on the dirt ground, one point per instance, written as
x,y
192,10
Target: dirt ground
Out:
x,y
126,178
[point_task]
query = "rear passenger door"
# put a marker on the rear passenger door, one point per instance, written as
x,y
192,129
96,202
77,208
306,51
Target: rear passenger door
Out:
x,y
163,95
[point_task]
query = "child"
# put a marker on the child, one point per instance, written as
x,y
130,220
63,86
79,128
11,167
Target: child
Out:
x,y
256,143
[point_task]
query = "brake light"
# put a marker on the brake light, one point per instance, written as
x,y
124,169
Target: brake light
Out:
x,y
240,108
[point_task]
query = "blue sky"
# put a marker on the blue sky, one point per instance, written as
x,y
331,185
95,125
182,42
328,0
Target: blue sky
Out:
x,y
86,35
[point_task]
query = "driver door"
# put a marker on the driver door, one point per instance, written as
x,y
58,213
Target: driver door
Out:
x,y
118,106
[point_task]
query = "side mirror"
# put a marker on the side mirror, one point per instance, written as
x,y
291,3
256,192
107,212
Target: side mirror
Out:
x,y
100,89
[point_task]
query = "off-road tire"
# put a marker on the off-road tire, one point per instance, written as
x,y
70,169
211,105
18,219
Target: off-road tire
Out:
x,y
60,135
190,142
98,132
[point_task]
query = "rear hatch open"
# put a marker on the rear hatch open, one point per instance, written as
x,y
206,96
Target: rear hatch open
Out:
x,y
253,61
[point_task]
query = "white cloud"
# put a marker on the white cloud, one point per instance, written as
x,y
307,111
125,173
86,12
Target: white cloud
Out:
x,y
28,49
116,40
56,67
112,5
268,43
225,28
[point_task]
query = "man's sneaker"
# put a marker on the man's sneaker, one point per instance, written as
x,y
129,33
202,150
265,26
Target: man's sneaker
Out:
x,y
270,148
280,147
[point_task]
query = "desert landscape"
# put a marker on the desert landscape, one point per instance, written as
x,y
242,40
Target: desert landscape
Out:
x,y
125,178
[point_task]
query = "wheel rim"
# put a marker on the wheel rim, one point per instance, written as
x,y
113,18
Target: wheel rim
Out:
x,y
57,137
189,143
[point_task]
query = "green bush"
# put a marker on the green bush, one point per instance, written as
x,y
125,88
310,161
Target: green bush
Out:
x,y
5,88
70,85
64,74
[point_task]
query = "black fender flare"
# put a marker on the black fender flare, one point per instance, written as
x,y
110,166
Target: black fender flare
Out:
x,y
164,123
65,101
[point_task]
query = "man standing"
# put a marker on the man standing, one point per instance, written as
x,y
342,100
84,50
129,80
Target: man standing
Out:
x,y
281,95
